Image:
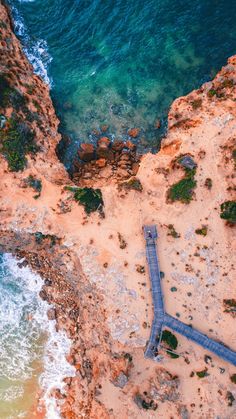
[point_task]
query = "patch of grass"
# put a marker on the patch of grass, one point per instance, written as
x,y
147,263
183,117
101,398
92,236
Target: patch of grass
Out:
x,y
37,105
169,339
35,184
183,190
172,232
230,306
228,211
9,96
40,237
3,25
201,231
203,373
17,141
133,183
212,92
234,157
230,398
233,378
90,198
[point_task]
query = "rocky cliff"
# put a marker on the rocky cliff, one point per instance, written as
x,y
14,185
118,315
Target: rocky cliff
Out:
x,y
94,265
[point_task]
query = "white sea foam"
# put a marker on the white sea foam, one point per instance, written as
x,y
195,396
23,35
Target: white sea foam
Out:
x,y
23,320
36,51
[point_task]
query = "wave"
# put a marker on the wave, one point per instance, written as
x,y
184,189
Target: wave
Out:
x,y
23,322
36,51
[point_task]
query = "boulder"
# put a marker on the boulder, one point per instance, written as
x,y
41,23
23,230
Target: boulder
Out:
x,y
117,145
133,132
86,152
187,162
101,163
103,142
121,380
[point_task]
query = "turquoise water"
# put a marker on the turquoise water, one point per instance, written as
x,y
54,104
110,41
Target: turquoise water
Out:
x,y
123,62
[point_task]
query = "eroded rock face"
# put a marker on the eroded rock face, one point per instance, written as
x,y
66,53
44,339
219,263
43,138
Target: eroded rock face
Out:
x,y
89,264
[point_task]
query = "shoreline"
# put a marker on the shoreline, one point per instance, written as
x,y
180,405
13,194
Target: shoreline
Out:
x,y
94,268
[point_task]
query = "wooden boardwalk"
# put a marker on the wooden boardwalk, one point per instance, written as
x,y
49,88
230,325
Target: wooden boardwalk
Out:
x,y
162,319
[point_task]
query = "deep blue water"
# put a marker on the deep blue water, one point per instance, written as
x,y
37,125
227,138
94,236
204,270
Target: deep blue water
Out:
x,y
123,62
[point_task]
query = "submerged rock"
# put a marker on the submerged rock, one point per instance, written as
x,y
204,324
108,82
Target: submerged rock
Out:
x,y
86,152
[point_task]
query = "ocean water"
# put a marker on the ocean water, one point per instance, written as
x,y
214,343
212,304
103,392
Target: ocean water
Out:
x,y
32,353
122,63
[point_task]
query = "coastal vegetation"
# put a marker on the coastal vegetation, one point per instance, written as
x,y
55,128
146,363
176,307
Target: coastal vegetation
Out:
x,y
133,183
35,184
40,238
230,306
228,211
202,373
208,183
90,198
183,190
201,231
172,232
233,378
171,342
17,140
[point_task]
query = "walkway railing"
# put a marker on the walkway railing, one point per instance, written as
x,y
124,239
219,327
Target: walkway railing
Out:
x,y
162,319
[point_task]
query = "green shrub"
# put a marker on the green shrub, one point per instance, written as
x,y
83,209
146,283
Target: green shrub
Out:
x,y
40,237
9,96
183,190
201,231
233,378
35,184
172,232
17,141
197,103
169,339
202,374
228,211
90,198
133,183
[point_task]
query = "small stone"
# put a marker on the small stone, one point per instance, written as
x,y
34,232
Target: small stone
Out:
x,y
86,152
